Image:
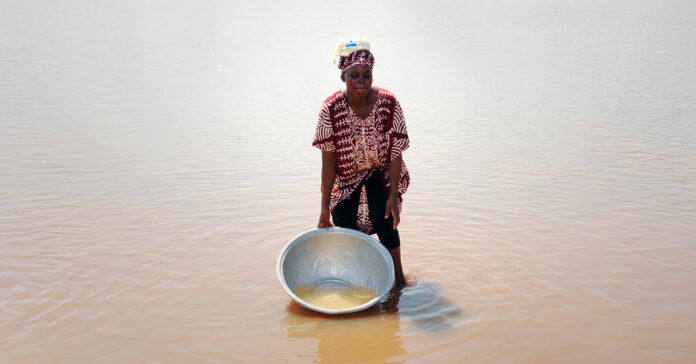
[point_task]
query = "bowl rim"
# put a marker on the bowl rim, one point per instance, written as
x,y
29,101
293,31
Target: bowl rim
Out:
x,y
335,230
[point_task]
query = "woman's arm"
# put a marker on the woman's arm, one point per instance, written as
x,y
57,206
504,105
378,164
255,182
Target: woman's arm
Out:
x,y
392,207
328,176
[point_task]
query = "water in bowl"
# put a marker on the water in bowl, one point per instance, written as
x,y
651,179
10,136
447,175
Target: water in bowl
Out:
x,y
333,296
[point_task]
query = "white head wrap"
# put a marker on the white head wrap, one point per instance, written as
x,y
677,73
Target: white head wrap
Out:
x,y
346,48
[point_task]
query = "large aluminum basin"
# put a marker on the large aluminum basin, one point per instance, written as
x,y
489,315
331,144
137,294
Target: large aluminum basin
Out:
x,y
337,256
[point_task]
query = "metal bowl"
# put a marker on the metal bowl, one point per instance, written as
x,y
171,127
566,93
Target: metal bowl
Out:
x,y
333,258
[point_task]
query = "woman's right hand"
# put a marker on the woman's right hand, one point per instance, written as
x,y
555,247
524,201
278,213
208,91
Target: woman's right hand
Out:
x,y
325,219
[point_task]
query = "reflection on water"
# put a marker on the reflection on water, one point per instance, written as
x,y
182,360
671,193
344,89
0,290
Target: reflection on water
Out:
x,y
334,298
373,335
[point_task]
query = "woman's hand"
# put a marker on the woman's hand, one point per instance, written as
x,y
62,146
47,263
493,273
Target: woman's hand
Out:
x,y
392,209
325,219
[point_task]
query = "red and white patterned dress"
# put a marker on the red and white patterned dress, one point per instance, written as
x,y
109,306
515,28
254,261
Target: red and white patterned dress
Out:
x,y
358,143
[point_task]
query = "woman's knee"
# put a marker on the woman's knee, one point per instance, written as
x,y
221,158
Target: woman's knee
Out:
x,y
342,221
343,216
389,238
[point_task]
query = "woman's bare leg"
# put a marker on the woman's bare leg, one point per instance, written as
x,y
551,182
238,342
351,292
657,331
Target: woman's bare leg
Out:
x,y
398,271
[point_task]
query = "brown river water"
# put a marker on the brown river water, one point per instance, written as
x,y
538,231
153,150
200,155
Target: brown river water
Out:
x,y
335,298
155,157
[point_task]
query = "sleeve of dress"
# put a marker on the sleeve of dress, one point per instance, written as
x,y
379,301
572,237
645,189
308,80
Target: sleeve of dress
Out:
x,y
398,136
323,136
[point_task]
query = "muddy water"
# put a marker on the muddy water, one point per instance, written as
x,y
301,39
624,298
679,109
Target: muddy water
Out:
x,y
334,298
155,158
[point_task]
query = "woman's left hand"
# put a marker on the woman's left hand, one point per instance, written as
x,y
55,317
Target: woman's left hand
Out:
x,y
392,209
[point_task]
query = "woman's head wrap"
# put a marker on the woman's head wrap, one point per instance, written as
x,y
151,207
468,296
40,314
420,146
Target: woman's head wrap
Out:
x,y
352,53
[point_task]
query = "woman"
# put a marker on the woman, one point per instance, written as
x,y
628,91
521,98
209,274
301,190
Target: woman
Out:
x,y
362,133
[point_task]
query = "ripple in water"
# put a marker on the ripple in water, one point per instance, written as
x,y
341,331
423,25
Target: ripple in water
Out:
x,y
423,304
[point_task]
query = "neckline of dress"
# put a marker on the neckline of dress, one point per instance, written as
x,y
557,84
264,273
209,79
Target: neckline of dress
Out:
x,y
350,109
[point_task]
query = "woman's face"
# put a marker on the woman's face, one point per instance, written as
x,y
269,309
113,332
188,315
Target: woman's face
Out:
x,y
358,79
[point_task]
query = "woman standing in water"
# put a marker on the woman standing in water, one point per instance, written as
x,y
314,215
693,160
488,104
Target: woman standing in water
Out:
x,y
361,133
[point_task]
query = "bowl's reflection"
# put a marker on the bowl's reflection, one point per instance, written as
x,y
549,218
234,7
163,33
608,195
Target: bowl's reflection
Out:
x,y
371,335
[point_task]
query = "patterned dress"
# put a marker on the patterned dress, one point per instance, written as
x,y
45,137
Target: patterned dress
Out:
x,y
362,147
